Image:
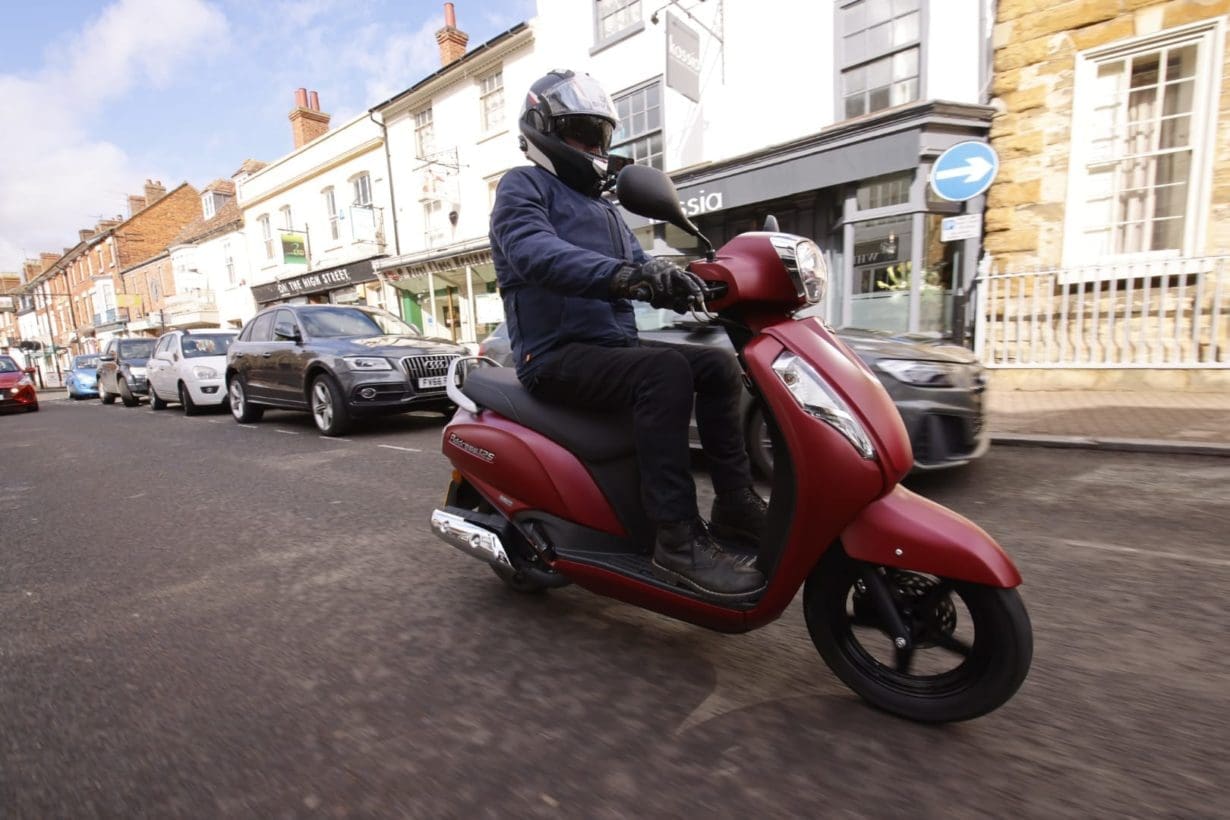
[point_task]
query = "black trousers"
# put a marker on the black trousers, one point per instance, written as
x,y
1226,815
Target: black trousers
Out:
x,y
658,383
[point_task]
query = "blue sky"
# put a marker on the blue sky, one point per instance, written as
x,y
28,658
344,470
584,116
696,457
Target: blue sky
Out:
x,y
99,96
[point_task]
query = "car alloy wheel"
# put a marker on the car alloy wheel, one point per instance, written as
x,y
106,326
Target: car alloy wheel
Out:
x,y
241,409
328,407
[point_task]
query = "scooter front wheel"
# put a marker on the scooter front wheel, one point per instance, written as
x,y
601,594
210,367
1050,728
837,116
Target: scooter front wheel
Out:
x,y
968,649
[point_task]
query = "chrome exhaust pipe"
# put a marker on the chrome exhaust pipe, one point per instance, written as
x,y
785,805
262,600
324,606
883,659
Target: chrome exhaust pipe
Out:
x,y
472,539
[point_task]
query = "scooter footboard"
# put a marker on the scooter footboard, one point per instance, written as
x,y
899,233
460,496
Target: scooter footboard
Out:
x,y
907,531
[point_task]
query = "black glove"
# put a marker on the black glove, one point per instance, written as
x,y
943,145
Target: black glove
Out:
x,y
657,282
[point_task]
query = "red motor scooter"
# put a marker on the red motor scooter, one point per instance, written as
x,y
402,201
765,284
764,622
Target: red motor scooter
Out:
x,y
913,606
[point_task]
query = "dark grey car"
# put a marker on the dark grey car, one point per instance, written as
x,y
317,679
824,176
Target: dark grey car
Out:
x,y
938,388
337,362
121,370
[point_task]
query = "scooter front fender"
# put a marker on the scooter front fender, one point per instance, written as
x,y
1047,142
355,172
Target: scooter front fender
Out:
x,y
905,530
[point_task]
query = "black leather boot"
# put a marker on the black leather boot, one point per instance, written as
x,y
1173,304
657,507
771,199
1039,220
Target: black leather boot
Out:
x,y
685,554
739,514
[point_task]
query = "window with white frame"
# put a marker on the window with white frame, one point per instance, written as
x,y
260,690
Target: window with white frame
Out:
x,y
207,204
613,17
331,212
424,138
639,135
433,223
880,54
287,220
1142,137
266,234
491,101
362,190
228,259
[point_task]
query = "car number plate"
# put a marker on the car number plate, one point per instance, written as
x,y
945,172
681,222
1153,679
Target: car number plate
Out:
x,y
432,381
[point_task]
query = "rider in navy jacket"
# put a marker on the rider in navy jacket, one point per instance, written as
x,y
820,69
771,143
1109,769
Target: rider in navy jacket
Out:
x,y
567,264
555,251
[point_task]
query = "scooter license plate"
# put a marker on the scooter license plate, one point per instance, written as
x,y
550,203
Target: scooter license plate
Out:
x,y
432,381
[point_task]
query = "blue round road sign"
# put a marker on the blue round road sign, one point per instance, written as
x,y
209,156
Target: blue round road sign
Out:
x,y
964,171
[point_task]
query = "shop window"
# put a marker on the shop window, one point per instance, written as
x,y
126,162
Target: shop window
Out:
x,y
1142,137
491,101
880,287
639,135
880,54
883,192
614,19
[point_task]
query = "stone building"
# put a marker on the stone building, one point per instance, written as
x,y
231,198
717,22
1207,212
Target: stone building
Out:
x,y
1108,225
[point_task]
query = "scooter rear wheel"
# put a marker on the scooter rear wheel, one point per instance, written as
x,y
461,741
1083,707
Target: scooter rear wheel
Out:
x,y
972,645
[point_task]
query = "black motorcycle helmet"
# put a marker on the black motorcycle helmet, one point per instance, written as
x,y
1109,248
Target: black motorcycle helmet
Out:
x,y
564,104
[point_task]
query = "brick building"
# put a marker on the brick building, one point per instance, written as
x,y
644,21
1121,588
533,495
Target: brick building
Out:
x,y
1109,222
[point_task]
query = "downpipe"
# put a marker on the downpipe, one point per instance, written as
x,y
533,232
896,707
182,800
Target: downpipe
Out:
x,y
471,538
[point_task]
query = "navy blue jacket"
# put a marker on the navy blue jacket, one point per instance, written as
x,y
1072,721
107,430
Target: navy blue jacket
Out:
x,y
554,251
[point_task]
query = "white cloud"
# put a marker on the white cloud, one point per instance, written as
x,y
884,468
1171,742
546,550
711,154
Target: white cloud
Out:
x,y
58,178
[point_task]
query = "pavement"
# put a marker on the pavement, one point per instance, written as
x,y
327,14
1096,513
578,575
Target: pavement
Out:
x,y
1134,421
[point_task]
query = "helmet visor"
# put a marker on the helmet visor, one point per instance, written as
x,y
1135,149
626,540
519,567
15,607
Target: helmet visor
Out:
x,y
579,94
592,132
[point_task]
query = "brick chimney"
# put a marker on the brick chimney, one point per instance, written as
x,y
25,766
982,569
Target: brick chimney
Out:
x,y
452,40
306,120
136,204
45,260
85,233
154,191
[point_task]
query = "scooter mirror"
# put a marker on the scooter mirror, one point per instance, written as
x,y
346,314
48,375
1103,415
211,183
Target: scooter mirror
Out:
x,y
650,193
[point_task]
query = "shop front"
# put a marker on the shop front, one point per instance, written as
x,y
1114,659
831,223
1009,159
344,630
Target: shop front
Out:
x,y
860,190
448,292
354,283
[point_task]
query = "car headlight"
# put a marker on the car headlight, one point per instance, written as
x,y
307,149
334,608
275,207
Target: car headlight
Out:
x,y
922,374
200,371
805,263
367,363
816,397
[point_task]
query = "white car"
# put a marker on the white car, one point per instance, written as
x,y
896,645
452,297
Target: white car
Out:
x,y
189,366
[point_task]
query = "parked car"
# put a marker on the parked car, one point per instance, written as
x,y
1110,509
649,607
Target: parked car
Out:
x,y
121,370
16,387
189,367
337,362
82,379
938,388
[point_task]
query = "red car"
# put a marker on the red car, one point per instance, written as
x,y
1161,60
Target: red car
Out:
x,y
16,388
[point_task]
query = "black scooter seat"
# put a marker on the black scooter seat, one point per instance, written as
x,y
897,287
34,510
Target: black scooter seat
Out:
x,y
591,436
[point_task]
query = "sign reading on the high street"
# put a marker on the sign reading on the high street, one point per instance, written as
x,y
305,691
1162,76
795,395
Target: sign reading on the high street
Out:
x,y
964,171
682,58
315,282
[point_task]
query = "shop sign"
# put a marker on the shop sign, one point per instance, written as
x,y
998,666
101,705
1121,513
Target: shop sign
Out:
x,y
682,58
294,248
315,282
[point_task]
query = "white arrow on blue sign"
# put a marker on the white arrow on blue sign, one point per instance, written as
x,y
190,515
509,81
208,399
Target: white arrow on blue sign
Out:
x,y
964,171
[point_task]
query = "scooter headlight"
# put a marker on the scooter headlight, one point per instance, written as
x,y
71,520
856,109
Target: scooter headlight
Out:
x,y
816,397
805,263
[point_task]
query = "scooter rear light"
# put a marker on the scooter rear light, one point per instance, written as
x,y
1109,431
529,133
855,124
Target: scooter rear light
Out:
x,y
818,399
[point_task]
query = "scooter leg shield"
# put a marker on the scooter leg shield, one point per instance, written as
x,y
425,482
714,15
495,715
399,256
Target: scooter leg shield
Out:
x,y
907,531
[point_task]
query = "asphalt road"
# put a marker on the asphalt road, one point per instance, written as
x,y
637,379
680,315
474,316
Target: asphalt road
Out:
x,y
205,619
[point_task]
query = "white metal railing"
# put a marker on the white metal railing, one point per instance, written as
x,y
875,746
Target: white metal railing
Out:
x,y
1169,313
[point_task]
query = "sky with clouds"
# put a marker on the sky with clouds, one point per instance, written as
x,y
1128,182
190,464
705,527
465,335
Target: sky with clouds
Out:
x,y
100,96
